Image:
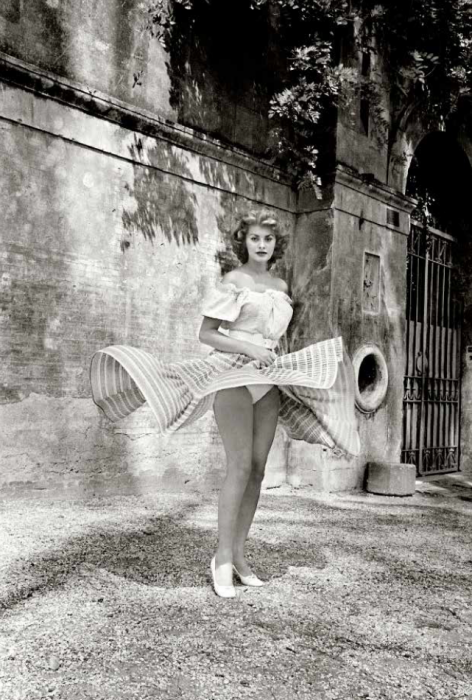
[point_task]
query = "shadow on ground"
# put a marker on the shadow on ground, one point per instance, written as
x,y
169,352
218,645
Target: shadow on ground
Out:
x,y
168,551
162,551
368,598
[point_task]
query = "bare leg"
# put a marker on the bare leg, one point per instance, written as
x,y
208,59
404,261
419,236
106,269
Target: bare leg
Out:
x,y
266,412
234,417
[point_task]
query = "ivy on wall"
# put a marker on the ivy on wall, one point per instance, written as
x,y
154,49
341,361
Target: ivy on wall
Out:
x,y
419,65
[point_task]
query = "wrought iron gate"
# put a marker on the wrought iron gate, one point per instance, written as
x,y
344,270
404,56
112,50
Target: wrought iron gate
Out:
x,y
431,400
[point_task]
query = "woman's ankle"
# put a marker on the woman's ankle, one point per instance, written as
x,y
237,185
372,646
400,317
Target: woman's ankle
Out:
x,y
239,560
223,570
223,557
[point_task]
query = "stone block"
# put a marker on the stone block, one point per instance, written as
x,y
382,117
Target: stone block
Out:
x,y
322,470
391,478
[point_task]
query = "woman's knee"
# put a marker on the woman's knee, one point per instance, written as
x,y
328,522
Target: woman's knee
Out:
x,y
240,466
258,467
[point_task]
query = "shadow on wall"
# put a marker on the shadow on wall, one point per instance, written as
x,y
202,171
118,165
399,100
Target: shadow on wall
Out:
x,y
164,203
100,45
226,223
223,67
34,22
11,11
33,357
230,181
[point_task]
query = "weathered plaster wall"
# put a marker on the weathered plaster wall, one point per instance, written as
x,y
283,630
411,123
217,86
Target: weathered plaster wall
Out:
x,y
312,279
114,223
360,228
382,432
106,47
224,68
311,272
466,409
113,230
329,274
361,152
107,237
101,45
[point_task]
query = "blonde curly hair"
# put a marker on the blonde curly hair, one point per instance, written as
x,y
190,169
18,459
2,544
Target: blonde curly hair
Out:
x,y
262,217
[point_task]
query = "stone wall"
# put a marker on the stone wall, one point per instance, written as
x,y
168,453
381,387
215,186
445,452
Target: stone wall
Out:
x,y
364,239
212,85
368,298
99,45
114,222
350,277
122,171
109,236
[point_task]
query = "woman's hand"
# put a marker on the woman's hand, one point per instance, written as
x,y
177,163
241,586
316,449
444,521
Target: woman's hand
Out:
x,y
263,355
210,335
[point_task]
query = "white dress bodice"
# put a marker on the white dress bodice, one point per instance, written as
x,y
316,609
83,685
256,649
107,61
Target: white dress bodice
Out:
x,y
267,313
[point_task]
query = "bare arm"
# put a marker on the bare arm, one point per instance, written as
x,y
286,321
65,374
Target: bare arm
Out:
x,y
210,335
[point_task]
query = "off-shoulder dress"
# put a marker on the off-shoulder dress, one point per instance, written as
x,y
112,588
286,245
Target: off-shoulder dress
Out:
x,y
316,383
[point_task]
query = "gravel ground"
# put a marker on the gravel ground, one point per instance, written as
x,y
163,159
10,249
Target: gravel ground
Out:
x,y
108,598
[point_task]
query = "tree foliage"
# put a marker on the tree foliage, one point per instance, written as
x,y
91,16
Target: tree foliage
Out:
x,y
421,65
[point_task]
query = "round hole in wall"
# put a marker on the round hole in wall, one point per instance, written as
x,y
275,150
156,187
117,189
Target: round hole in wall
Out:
x,y
371,374
368,375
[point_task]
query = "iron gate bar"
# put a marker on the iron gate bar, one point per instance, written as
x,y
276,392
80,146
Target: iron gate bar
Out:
x,y
431,403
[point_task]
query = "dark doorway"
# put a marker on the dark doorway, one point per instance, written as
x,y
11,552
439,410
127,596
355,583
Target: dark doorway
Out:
x,y
439,179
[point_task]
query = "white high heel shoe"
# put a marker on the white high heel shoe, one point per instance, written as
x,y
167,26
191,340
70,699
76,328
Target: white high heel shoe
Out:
x,y
249,580
222,591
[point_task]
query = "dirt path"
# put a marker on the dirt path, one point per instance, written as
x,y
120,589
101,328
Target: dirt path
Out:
x,y
109,598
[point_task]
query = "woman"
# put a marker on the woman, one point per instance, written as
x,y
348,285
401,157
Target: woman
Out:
x,y
246,415
244,317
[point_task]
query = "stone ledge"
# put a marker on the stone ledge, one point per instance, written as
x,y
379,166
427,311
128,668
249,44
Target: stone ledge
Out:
x,y
93,102
370,186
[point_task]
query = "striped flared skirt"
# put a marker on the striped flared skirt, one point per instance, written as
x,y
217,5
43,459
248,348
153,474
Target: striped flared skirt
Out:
x,y
316,388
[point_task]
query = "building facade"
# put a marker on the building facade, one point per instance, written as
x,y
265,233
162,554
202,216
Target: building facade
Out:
x,y
122,175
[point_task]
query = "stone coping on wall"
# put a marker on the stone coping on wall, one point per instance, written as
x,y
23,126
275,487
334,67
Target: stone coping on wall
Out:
x,y
364,184
361,183
93,103
372,200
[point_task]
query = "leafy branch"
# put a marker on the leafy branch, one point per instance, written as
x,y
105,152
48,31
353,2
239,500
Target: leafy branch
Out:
x,y
423,52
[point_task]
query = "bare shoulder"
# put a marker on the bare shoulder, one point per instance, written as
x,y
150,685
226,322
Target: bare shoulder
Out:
x,y
235,277
280,285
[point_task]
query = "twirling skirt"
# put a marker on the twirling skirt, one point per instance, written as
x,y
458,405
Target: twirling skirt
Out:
x,y
316,388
